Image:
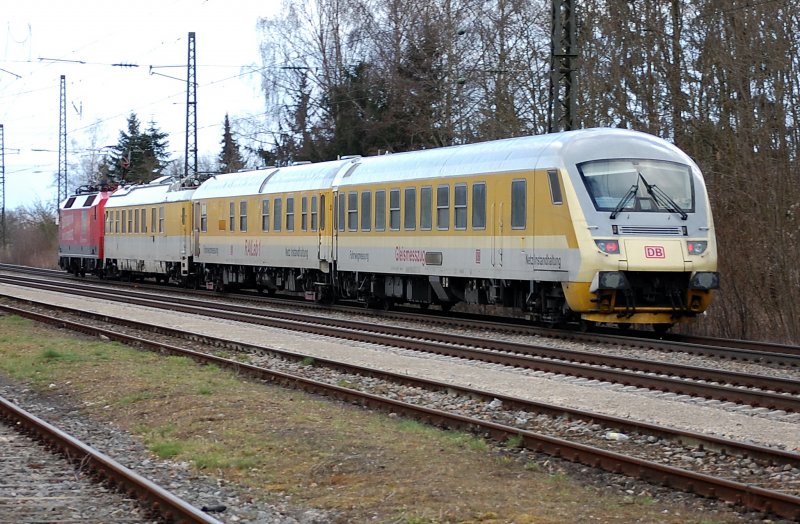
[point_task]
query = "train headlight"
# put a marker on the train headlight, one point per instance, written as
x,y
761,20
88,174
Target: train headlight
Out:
x,y
610,247
705,280
612,280
696,247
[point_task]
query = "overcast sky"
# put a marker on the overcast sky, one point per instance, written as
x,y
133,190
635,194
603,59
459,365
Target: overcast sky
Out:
x,y
41,40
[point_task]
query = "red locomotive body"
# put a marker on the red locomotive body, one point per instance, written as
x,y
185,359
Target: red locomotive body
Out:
x,y
81,231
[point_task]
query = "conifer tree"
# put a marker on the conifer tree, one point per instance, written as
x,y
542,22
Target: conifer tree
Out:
x,y
230,159
139,157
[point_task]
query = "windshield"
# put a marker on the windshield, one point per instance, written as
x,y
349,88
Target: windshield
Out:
x,y
614,185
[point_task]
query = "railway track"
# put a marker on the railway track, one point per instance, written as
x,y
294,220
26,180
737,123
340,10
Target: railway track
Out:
x,y
44,488
731,349
765,497
761,391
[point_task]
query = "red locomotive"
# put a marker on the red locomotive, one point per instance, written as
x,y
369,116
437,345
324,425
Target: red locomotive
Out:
x,y
81,229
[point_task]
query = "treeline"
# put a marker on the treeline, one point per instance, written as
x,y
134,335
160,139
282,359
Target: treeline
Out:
x,y
720,78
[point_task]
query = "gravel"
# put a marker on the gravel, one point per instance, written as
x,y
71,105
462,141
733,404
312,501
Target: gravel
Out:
x,y
758,425
58,408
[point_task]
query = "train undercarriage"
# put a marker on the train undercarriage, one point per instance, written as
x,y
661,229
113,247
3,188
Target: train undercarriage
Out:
x,y
660,299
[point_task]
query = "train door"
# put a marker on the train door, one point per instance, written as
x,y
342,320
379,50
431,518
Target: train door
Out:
x,y
325,235
497,224
196,221
335,226
186,237
530,213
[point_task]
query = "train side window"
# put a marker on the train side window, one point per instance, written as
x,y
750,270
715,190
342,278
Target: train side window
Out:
x,y
144,220
479,205
265,214
304,213
555,187
410,214
322,211
366,210
276,218
231,216
380,210
243,215
342,211
426,208
203,217
460,206
443,207
161,219
314,213
518,204
116,222
352,211
105,222
136,221
289,213
153,220
394,210
130,221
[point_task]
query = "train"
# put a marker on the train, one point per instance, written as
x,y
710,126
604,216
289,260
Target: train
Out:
x,y
595,226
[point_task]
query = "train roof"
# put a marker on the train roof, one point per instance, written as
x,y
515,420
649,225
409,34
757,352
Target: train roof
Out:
x,y
526,153
86,200
149,194
305,177
513,154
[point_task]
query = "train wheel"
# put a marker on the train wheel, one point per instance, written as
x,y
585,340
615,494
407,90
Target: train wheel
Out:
x,y
624,326
586,325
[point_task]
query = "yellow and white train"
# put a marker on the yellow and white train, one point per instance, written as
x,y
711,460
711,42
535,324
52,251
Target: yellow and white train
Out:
x,y
597,225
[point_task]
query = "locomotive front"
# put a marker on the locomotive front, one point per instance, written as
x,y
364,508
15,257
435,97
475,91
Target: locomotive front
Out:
x,y
649,253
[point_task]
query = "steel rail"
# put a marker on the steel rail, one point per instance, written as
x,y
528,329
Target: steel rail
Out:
x,y
105,469
640,373
677,478
745,350
688,438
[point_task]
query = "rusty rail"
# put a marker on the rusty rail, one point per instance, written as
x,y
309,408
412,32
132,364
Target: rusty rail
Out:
x,y
754,497
153,497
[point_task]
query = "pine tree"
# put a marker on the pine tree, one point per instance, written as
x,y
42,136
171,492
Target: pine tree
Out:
x,y
230,159
138,157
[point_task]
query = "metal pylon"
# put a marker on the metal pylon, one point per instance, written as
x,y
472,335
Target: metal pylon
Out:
x,y
2,187
62,144
190,167
564,51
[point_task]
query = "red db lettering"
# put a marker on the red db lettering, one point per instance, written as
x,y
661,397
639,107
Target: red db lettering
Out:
x,y
654,252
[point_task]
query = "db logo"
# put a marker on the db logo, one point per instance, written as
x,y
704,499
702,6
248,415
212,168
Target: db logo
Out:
x,y
654,252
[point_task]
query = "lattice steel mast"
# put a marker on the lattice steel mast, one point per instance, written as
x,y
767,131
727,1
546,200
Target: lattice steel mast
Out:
x,y
62,144
190,167
563,52
2,186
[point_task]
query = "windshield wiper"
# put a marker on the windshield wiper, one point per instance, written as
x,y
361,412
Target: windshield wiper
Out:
x,y
625,199
663,199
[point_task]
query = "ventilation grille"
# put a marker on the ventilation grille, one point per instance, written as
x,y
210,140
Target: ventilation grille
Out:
x,y
650,230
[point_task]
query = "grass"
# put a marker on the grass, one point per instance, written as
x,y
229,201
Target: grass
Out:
x,y
328,455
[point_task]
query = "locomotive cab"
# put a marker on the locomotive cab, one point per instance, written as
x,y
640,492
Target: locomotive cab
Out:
x,y
650,229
